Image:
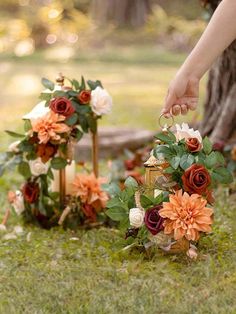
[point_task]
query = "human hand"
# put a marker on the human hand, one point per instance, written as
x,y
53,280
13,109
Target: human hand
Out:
x,y
182,96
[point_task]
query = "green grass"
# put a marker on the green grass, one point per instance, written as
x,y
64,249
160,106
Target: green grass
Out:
x,y
53,274
50,273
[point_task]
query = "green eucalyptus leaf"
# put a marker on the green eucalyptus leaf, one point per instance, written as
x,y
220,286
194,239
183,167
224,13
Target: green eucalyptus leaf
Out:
x,y
92,124
45,96
83,84
163,150
27,125
72,120
168,137
75,83
186,161
169,170
24,170
58,163
211,160
117,213
207,145
47,84
222,175
113,189
94,84
14,134
174,162
130,182
72,93
146,201
78,134
60,93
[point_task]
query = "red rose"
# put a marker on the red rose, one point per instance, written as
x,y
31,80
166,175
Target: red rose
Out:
x,y
46,151
31,192
153,221
62,105
196,179
129,164
193,144
84,97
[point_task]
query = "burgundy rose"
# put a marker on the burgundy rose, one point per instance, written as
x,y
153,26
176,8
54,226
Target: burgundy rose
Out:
x,y
193,144
62,105
196,179
153,221
219,146
30,192
84,97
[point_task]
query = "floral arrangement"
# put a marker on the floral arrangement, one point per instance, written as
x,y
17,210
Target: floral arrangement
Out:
x,y
64,114
175,209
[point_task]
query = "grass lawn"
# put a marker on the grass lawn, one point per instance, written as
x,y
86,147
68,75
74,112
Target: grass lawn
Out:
x,y
59,271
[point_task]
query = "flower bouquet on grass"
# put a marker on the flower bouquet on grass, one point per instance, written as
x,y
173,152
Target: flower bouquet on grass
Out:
x,y
64,114
175,209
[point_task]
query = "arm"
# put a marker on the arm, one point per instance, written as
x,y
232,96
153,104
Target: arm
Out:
x,y
220,32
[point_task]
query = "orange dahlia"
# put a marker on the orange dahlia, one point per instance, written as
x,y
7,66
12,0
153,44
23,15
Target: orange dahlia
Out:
x,y
186,216
89,189
49,127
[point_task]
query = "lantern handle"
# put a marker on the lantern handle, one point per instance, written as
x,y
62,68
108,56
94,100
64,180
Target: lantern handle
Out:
x,y
164,125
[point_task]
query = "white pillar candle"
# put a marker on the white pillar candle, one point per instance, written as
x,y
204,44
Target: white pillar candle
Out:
x,y
70,176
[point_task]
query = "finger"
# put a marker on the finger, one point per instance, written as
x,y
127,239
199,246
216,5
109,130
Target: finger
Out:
x,y
169,102
175,110
184,109
192,105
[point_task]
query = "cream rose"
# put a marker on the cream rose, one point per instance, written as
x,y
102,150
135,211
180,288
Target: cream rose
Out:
x,y
185,132
13,147
136,217
18,203
37,167
101,101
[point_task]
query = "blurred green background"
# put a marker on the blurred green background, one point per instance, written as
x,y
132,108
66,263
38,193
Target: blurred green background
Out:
x,y
134,47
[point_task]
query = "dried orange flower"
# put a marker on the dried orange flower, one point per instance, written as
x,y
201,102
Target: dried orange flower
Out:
x,y
49,127
89,189
233,153
186,216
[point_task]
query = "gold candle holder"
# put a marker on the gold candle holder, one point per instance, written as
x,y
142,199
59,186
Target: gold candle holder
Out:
x,y
62,172
95,153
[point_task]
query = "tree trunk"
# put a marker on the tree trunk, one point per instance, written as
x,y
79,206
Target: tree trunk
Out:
x,y
121,12
219,121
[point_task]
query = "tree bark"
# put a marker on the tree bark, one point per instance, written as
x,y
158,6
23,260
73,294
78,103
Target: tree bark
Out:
x,y
121,12
219,121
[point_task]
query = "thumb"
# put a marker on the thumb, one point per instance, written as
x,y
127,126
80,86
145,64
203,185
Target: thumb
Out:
x,y
169,102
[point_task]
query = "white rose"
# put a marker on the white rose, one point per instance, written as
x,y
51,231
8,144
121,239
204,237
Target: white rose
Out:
x,y
37,167
136,217
18,203
185,132
13,147
101,101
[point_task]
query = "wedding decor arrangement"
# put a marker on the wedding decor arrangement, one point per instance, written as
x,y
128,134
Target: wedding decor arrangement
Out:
x,y
174,207
52,192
